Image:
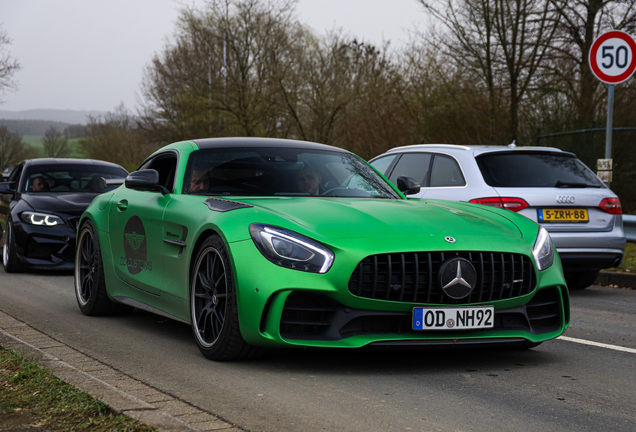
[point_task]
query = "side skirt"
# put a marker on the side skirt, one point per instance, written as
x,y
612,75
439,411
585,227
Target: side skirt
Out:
x,y
139,305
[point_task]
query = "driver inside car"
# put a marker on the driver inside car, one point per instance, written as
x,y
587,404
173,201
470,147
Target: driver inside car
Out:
x,y
40,185
200,180
308,181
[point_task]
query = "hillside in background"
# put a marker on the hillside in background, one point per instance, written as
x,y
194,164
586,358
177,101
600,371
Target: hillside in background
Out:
x,y
63,116
32,127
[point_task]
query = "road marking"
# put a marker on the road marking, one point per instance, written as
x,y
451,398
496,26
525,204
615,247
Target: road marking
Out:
x,y
598,344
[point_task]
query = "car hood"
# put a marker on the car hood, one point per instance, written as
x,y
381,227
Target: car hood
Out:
x,y
68,203
377,218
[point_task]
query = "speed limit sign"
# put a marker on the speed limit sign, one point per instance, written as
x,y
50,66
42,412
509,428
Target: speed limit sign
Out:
x,y
612,57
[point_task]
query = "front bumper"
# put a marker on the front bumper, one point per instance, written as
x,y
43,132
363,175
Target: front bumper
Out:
x,y
41,247
282,307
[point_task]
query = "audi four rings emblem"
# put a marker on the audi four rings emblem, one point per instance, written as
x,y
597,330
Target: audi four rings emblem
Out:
x,y
565,199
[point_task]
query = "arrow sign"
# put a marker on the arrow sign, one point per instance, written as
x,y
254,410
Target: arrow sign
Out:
x,y
612,57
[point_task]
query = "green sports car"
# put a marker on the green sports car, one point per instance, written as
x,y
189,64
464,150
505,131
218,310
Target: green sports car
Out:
x,y
261,242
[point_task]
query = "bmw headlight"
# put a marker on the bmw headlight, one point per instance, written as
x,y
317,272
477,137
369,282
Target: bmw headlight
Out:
x,y
42,219
543,250
291,250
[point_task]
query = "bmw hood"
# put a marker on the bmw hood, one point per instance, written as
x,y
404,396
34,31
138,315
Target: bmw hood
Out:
x,y
67,203
377,218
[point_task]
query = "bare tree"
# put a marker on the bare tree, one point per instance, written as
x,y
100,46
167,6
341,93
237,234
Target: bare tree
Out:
x,y
219,76
580,23
444,101
12,149
116,138
55,144
330,77
505,41
8,65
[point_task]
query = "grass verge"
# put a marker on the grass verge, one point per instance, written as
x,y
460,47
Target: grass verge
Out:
x,y
32,398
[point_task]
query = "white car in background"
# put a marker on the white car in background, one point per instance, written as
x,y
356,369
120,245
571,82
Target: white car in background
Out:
x,y
547,185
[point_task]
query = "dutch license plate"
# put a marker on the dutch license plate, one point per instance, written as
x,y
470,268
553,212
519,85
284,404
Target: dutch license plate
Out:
x,y
460,318
563,215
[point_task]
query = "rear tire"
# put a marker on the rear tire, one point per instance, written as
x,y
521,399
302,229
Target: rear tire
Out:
x,y
10,260
90,285
581,280
213,306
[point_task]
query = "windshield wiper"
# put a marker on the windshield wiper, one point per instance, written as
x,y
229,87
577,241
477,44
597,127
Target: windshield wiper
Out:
x,y
560,184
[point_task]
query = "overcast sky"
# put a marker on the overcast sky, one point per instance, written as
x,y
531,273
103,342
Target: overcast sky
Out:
x,y
90,54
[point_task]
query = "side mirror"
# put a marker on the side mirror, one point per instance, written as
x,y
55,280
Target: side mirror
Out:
x,y
147,179
7,188
408,185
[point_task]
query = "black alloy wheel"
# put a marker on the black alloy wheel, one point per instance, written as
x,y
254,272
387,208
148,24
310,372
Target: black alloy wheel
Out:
x,y
10,261
581,280
213,306
90,286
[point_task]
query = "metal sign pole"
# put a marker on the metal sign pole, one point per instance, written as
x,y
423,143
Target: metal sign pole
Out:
x,y
610,116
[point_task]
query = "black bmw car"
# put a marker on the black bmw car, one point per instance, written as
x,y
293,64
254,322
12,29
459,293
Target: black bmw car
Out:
x,y
40,205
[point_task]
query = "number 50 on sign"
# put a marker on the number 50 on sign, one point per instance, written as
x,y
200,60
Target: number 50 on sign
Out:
x,y
612,57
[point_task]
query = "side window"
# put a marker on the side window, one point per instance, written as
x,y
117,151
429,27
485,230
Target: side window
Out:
x,y
414,165
15,174
166,166
382,164
15,177
446,172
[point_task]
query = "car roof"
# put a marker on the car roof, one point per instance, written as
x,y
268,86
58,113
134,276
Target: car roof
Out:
x,y
69,161
474,149
210,143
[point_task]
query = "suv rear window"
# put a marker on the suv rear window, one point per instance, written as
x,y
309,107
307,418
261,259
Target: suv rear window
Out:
x,y
535,169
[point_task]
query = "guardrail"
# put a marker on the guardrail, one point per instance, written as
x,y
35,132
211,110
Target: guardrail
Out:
x,y
629,225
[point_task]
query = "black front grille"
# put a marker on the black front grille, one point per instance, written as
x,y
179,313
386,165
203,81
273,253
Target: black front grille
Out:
x,y
412,277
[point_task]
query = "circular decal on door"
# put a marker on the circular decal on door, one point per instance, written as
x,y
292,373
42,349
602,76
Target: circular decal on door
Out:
x,y
135,249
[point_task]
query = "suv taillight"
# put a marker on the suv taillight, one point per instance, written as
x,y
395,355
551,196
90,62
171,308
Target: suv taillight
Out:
x,y
510,203
611,206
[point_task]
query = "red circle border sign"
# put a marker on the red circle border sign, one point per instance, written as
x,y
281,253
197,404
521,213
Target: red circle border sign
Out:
x,y
609,79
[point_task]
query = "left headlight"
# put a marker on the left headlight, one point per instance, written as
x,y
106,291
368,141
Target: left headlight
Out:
x,y
42,219
291,250
543,250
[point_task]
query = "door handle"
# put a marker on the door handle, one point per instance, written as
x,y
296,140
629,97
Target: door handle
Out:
x,y
122,205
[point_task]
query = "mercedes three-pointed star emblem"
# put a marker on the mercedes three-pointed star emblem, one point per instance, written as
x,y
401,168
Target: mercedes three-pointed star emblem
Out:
x,y
457,277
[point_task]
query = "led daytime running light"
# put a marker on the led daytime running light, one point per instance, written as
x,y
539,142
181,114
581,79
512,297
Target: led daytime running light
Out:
x,y
543,250
304,253
41,219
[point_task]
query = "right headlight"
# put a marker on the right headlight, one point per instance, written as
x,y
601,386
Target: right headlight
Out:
x,y
42,219
291,250
543,250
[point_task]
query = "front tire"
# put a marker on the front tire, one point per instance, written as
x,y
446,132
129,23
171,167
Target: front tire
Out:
x,y
581,280
90,285
10,260
213,306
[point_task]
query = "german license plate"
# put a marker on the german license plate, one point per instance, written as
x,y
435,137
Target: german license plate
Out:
x,y
461,318
563,215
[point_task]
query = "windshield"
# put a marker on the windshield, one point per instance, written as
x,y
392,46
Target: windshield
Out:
x,y
536,169
272,171
72,178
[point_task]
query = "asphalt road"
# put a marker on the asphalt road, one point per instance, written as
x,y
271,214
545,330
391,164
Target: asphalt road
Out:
x,y
559,386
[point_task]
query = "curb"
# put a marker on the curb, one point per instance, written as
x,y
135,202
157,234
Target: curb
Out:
x,y
122,393
623,280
